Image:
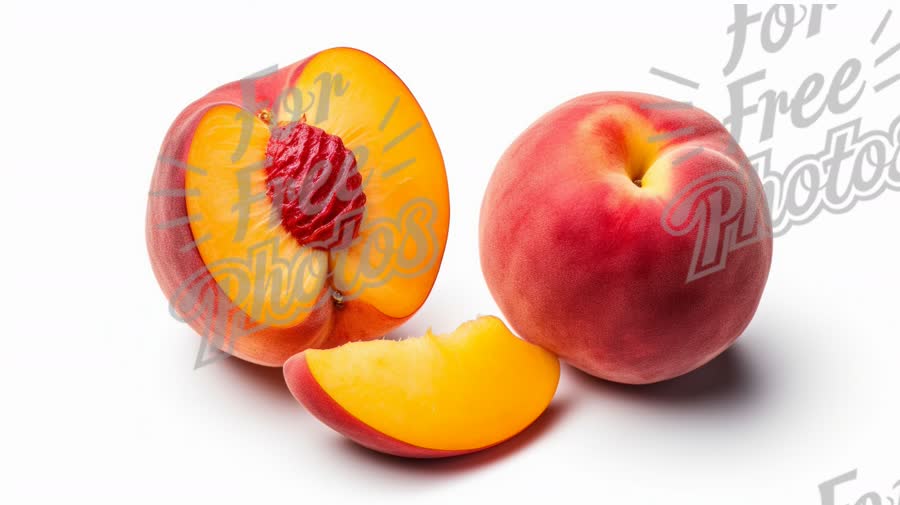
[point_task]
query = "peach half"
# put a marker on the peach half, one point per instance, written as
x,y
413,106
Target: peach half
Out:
x,y
431,396
306,207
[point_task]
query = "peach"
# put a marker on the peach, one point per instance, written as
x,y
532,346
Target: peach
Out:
x,y
304,208
428,397
627,234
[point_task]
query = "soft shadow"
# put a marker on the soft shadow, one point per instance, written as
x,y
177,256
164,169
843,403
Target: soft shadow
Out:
x,y
413,328
430,316
464,463
419,324
729,379
266,380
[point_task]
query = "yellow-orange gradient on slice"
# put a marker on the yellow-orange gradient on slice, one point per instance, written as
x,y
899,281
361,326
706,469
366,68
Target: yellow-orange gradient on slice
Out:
x,y
431,396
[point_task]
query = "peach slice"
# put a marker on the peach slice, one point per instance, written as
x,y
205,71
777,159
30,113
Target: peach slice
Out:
x,y
431,396
304,208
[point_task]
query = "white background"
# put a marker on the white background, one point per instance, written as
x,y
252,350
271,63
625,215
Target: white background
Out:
x,y
100,402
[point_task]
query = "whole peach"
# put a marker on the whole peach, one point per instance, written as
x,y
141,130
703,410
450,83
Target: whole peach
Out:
x,y
628,234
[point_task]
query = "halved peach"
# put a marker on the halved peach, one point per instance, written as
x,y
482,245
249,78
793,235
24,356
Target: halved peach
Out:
x,y
431,396
304,208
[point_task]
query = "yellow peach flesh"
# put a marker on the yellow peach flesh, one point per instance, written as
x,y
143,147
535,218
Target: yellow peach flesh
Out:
x,y
469,389
378,119
393,263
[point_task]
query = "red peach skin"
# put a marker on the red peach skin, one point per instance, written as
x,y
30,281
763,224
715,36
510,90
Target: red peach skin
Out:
x,y
575,253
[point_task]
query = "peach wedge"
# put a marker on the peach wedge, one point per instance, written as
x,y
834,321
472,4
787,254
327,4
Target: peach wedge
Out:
x,y
431,396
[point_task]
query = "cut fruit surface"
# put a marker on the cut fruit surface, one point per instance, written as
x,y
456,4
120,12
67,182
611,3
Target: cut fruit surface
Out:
x,y
431,396
314,214
234,224
403,179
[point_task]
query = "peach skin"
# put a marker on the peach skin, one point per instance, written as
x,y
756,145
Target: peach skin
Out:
x,y
627,234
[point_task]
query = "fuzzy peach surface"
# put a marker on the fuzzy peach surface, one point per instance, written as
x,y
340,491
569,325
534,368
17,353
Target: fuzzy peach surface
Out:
x,y
573,247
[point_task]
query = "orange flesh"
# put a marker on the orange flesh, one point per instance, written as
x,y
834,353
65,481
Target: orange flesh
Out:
x,y
293,275
394,261
472,388
407,204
